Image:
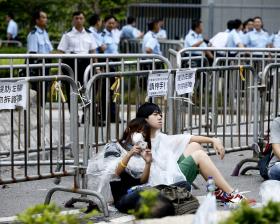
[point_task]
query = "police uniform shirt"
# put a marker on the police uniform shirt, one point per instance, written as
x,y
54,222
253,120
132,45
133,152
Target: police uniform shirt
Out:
x,y
110,42
150,41
38,41
257,39
129,32
96,36
12,28
242,36
77,42
161,34
116,35
191,39
275,39
233,39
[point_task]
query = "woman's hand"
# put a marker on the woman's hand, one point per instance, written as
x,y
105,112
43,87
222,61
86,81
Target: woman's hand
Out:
x,y
147,155
135,150
218,146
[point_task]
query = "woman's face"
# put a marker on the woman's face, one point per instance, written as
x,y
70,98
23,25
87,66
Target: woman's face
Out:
x,y
155,120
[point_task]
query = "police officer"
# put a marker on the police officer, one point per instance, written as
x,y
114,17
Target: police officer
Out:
x,y
194,38
111,47
77,40
275,39
38,41
95,23
257,38
12,28
150,44
107,36
234,38
130,31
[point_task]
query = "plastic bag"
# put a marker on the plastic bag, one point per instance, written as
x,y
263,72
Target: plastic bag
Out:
x,y
207,211
100,172
270,190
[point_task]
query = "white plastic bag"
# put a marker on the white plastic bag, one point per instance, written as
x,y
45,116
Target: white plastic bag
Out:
x,y
100,172
270,190
207,211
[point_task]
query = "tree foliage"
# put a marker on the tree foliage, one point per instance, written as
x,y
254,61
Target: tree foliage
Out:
x,y
59,13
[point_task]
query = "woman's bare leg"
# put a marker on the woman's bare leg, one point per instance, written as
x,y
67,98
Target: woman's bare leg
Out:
x,y
206,166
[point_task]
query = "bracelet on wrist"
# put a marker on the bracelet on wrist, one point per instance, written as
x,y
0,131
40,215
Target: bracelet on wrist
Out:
x,y
122,164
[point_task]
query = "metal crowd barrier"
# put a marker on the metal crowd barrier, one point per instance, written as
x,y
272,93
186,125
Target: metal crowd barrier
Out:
x,y
268,95
223,105
135,46
10,42
11,175
256,56
45,108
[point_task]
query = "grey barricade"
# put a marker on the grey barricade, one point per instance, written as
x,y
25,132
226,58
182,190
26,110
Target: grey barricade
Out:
x,y
45,162
46,117
135,46
224,105
258,57
268,109
270,105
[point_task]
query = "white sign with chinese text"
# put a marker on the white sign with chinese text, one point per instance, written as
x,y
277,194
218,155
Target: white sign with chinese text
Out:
x,y
157,84
12,95
185,81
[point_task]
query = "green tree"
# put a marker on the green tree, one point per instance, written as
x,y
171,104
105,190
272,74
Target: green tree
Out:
x,y
59,13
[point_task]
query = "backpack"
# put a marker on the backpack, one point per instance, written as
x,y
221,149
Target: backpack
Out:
x,y
263,163
183,201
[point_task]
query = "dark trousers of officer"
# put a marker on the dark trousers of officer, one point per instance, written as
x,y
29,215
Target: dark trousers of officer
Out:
x,y
37,86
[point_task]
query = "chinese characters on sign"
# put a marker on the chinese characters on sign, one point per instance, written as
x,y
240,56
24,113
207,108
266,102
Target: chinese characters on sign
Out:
x,y
12,95
157,84
184,82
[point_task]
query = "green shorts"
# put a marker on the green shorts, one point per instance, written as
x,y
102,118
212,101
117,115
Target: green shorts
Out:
x,y
188,167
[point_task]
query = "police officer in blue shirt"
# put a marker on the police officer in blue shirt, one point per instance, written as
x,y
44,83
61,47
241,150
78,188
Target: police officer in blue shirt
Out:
x,y
195,39
130,31
234,38
38,41
95,23
258,38
275,40
150,44
107,38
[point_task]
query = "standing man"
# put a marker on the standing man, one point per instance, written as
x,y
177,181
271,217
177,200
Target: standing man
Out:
x,y
12,29
107,36
95,23
195,39
38,41
257,38
111,42
150,43
130,31
77,40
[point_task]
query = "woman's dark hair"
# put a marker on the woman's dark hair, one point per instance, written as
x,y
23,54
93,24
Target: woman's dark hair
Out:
x,y
130,20
136,125
146,109
230,24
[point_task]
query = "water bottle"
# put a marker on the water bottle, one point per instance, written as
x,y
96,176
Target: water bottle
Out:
x,y
211,185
